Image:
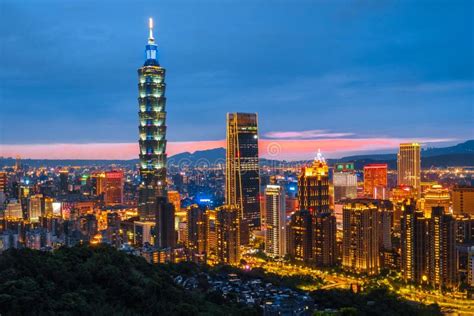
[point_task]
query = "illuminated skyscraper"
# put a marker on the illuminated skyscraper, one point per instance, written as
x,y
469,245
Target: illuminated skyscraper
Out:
x,y
197,232
98,182
436,196
313,187
242,170
175,199
152,131
228,234
63,180
211,232
463,200
443,257
344,181
35,206
324,239
313,195
409,166
143,233
275,234
113,187
164,223
414,244
375,180
360,241
300,236
3,181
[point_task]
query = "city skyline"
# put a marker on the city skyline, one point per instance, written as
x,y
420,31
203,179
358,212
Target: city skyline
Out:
x,y
228,229
209,67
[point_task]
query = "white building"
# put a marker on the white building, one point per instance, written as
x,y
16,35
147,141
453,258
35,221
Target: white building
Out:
x,y
275,211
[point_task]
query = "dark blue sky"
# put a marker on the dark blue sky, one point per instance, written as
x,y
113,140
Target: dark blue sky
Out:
x,y
395,69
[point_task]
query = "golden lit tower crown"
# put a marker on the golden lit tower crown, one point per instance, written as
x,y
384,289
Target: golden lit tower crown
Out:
x,y
313,186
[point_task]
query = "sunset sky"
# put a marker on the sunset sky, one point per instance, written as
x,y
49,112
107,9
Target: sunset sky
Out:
x,y
344,76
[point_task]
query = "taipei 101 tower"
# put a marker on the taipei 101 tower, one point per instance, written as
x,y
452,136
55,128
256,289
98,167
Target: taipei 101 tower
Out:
x,y
152,130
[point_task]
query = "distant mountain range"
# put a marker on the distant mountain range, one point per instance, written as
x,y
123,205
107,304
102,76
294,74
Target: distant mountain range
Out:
x,y
458,155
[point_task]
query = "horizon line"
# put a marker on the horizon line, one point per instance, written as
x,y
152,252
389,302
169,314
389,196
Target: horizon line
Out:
x,y
281,149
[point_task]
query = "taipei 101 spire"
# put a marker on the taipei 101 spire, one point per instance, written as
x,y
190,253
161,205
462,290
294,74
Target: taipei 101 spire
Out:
x,y
152,130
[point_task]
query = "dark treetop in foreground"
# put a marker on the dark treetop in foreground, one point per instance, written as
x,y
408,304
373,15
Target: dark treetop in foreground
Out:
x,y
85,280
94,280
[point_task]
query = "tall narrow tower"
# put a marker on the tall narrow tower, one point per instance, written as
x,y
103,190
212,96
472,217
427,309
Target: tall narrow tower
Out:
x,y
409,165
242,170
152,130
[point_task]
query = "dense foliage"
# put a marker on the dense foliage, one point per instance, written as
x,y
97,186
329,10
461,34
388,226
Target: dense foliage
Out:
x,y
374,302
95,280
101,280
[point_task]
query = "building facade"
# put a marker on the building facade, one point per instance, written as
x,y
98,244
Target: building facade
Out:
x,y
414,244
114,181
228,234
360,241
344,181
197,232
300,236
313,187
443,257
375,180
275,214
409,166
242,170
463,200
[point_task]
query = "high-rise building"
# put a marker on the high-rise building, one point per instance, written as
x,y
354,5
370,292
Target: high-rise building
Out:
x,y
13,210
324,239
63,181
47,207
143,233
3,181
443,259
300,236
165,220
436,196
409,166
18,163
275,214
344,181
113,229
228,234
313,187
414,244
35,207
113,187
242,170
98,182
211,232
360,241
175,199
152,131
197,232
463,200
470,267
375,180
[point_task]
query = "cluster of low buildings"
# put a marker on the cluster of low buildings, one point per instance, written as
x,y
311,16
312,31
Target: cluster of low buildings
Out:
x,y
272,299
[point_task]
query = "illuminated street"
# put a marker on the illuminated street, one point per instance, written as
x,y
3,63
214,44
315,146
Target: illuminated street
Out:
x,y
335,280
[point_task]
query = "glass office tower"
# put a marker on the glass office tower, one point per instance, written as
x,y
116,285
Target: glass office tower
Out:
x,y
242,170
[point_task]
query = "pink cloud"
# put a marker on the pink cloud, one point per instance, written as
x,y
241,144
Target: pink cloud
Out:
x,y
309,134
269,148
